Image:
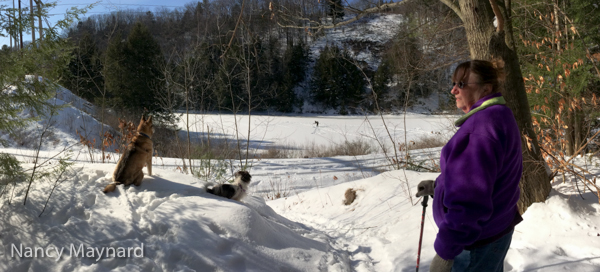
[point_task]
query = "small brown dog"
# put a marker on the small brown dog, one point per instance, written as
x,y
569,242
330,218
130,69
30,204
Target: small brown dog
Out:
x,y
137,154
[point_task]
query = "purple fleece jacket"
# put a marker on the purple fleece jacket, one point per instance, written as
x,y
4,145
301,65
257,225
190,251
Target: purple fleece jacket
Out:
x,y
477,191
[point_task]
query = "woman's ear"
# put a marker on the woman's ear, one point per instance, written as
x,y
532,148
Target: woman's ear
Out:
x,y
487,88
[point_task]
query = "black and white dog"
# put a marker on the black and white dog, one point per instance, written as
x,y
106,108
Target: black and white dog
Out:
x,y
236,190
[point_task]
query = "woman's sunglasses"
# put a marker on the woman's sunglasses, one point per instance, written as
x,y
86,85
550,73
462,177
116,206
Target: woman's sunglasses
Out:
x,y
462,84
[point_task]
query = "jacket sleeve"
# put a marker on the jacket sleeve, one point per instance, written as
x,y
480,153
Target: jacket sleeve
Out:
x,y
471,169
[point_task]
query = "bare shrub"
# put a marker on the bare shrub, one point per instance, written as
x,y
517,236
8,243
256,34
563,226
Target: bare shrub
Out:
x,y
24,138
279,188
347,148
276,152
425,142
313,150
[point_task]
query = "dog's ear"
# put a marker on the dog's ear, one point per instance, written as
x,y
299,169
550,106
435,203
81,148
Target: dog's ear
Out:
x,y
149,119
143,119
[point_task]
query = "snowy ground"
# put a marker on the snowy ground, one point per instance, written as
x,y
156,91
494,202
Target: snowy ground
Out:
x,y
169,223
300,131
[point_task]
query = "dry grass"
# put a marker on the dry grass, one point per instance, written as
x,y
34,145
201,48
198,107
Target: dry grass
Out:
x,y
314,150
279,188
347,148
426,142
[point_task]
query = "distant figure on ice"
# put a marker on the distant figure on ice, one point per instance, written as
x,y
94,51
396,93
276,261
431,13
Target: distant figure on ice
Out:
x,y
317,122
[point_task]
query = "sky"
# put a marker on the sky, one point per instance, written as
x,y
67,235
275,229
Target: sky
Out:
x,y
100,7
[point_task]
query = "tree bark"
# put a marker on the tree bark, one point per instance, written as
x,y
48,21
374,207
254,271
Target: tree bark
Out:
x,y
487,43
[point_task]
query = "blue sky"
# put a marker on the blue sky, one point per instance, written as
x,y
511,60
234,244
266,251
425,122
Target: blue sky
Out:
x,y
105,6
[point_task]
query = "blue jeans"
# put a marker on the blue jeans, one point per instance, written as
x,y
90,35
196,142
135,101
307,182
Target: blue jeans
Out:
x,y
488,258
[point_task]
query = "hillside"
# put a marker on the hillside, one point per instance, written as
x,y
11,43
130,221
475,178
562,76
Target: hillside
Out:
x,y
283,70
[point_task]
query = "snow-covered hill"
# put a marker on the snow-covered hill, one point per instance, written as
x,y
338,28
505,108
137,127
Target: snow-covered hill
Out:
x,y
66,127
364,39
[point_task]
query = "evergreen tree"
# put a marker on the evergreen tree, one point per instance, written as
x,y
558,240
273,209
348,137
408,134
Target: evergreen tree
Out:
x,y
337,83
381,81
294,72
133,74
84,73
114,70
208,57
20,90
559,72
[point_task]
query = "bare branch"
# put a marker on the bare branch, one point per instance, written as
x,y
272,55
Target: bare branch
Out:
x,y
498,14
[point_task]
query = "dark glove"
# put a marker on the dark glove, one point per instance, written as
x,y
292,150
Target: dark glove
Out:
x,y
425,187
440,265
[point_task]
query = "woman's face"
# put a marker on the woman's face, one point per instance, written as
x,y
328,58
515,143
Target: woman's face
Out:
x,y
472,90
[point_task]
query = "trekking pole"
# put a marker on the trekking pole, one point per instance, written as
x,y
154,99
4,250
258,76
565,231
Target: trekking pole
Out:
x,y
424,203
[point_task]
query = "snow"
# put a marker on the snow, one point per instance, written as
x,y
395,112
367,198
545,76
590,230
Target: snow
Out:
x,y
373,31
170,223
267,131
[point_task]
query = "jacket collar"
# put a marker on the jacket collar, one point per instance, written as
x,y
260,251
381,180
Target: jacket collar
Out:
x,y
486,101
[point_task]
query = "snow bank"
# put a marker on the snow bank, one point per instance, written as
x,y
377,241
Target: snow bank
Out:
x,y
178,226
72,120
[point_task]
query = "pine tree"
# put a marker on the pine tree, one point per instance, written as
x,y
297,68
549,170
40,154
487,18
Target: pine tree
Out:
x,y
132,71
84,73
381,80
294,72
337,82
114,70
20,90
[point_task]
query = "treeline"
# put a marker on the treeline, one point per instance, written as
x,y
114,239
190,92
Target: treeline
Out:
x,y
212,56
161,62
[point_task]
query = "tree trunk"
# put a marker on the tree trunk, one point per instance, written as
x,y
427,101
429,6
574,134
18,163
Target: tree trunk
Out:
x,y
486,43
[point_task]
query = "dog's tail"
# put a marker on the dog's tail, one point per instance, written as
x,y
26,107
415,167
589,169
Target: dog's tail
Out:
x,y
111,187
121,164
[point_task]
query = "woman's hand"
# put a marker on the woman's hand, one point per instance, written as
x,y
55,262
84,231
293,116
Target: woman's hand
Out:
x,y
425,187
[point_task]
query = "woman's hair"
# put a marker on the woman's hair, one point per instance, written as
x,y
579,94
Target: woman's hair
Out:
x,y
488,72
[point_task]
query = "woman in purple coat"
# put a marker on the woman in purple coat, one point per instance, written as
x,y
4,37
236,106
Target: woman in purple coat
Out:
x,y
476,194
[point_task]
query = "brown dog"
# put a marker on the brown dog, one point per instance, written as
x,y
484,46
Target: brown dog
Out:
x,y
137,154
